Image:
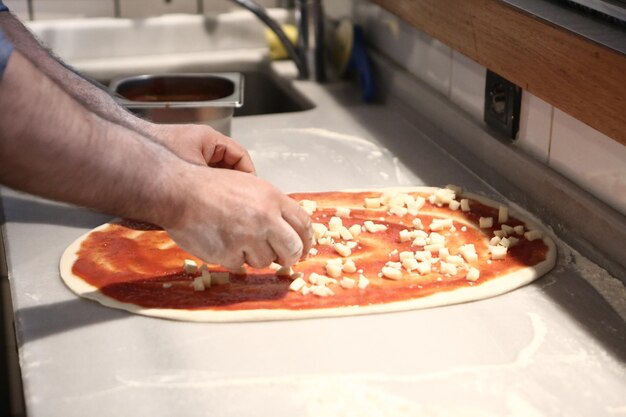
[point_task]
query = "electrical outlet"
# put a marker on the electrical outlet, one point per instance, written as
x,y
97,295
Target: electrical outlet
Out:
x,y
502,104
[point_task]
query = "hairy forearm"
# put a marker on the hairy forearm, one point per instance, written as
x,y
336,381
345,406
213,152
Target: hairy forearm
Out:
x,y
50,145
85,92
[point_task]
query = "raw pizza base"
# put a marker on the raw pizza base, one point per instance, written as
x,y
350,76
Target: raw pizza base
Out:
x,y
491,288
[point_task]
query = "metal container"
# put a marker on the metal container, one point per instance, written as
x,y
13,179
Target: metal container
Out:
x,y
203,98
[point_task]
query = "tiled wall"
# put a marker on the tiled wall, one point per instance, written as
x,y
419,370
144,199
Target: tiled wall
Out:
x,y
587,157
62,9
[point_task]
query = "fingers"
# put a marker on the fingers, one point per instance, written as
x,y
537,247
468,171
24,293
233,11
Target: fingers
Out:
x,y
286,243
300,221
227,153
260,256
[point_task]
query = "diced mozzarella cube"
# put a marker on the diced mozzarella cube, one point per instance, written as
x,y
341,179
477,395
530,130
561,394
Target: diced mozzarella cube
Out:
x,y
198,284
284,271
500,233
472,274
405,236
167,285
306,290
391,273
454,205
349,267
342,212
371,227
395,265
424,267
444,196
333,234
440,224
444,252
274,266
464,229
206,277
465,206
342,249
220,278
519,229
407,255
432,198
468,252
379,228
297,284
498,252
409,264
508,229
345,233
312,251
372,203
363,281
433,247
190,266
454,259
436,238
352,244
455,188
447,268
398,211
325,241
419,203
533,235
347,283
333,270
422,255
355,230
309,206
485,222
321,291
319,230
503,214
297,275
417,223
504,242
335,224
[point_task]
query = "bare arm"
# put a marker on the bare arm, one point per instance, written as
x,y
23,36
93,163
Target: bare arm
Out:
x,y
194,143
51,145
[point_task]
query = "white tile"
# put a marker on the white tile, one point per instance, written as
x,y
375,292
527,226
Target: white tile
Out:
x,y
415,51
62,9
467,85
535,126
149,8
589,158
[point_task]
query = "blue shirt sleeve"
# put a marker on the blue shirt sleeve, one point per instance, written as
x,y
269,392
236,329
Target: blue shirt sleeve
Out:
x,y
6,48
3,8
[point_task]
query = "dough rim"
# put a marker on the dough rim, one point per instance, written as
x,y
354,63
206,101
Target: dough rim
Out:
x,y
489,289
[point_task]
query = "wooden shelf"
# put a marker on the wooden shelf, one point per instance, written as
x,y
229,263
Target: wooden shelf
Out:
x,y
576,75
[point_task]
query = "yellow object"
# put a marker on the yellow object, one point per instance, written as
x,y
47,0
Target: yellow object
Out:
x,y
277,50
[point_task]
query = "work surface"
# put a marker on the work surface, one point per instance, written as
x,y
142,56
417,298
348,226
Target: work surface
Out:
x,y
556,347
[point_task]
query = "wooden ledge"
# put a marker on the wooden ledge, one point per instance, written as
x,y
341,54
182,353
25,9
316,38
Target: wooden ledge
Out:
x,y
576,75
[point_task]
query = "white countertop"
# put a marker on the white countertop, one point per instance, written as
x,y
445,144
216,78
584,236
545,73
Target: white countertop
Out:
x,y
555,347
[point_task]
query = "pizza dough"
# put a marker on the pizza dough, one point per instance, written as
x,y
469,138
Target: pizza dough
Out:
x,y
280,303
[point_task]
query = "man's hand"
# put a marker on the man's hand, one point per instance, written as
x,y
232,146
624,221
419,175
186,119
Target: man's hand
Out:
x,y
203,145
232,218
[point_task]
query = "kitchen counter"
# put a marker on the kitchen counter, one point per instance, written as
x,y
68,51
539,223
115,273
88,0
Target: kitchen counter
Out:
x,y
555,347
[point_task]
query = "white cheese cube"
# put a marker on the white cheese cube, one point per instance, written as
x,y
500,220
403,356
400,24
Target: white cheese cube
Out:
x,y
407,255
355,230
464,229
372,203
508,229
468,252
351,244
454,259
433,247
424,267
333,269
333,234
472,274
454,205
417,223
313,251
306,290
485,222
297,275
206,277
198,284
500,233
325,241
345,233
432,198
447,268
405,236
419,203
422,255
398,211
519,229
444,252
319,230
297,284
274,266
309,206
342,249
363,281
503,214
533,235
284,271
349,267
440,224
342,212
167,285
436,238
504,242
419,241
379,228
347,283
498,252
395,265
190,266
335,224
220,278
465,206
321,291
455,188
391,273
409,264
